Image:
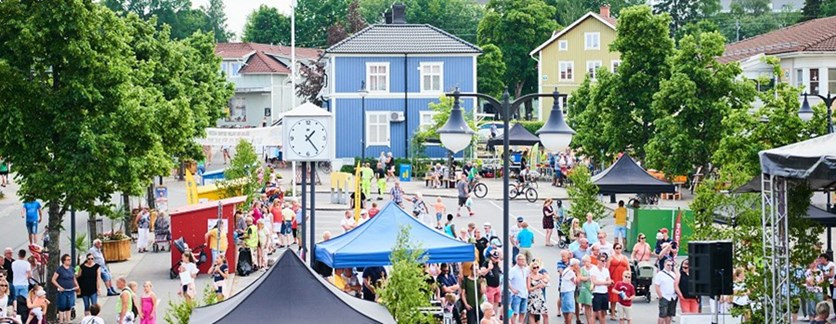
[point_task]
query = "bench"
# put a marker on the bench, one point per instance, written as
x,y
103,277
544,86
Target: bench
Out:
x,y
445,182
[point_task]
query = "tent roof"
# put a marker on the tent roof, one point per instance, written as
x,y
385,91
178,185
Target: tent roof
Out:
x,y
371,243
625,176
814,213
258,302
518,135
813,160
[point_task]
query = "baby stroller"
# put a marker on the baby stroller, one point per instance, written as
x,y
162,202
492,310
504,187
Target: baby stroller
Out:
x,y
563,240
643,278
245,262
162,234
199,255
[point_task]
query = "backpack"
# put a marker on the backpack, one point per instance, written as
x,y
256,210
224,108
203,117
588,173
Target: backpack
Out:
x,y
133,304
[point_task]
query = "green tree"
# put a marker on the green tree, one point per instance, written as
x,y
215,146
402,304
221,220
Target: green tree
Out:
x,y
587,114
178,14
692,103
268,26
458,17
645,44
516,27
811,9
491,70
216,21
571,10
314,17
584,195
683,12
406,290
242,175
106,95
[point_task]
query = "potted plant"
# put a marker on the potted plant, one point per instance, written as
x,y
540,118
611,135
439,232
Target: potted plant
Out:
x,y
116,246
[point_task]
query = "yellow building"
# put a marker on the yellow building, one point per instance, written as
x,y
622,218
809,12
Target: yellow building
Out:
x,y
574,53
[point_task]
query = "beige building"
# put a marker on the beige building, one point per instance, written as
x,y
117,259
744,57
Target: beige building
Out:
x,y
574,53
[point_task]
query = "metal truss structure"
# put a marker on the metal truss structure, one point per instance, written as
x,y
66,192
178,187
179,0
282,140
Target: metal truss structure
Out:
x,y
776,250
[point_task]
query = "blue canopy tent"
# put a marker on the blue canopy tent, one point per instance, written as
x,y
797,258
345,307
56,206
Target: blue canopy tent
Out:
x,y
371,243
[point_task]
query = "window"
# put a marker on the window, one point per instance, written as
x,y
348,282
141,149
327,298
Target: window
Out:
x,y
563,45
799,77
814,80
592,68
566,70
831,80
592,41
614,65
377,76
237,110
377,128
426,119
432,76
231,69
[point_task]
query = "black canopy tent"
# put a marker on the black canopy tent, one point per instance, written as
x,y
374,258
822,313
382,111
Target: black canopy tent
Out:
x,y
625,176
312,300
814,213
518,135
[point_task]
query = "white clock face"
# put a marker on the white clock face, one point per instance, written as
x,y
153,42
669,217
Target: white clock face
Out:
x,y
308,138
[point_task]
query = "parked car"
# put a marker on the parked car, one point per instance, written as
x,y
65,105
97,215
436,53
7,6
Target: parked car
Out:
x,y
484,131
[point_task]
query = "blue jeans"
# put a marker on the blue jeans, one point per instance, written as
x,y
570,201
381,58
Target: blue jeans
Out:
x,y
21,290
519,305
90,300
811,303
32,227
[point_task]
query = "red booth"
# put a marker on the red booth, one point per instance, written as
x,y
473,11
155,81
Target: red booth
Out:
x,y
193,221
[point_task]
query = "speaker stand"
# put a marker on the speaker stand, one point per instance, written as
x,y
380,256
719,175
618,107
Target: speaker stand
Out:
x,y
715,318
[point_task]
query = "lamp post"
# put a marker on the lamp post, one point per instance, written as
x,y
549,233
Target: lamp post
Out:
x,y
806,114
363,93
555,135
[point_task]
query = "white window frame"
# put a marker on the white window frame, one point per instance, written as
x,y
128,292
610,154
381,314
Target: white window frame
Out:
x,y
425,119
563,45
369,84
440,75
586,41
560,69
613,64
378,125
592,73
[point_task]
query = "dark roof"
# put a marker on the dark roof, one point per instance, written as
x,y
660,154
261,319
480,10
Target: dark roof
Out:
x,y
403,39
263,58
312,300
814,213
815,35
625,176
518,135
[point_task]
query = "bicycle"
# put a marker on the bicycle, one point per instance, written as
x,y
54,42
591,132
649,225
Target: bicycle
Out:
x,y
479,189
529,192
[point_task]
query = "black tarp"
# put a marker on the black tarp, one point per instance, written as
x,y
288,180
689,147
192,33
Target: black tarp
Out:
x,y
518,135
625,176
814,213
290,292
813,160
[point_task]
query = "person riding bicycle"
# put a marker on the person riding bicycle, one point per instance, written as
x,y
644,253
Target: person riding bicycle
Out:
x,y
521,178
470,171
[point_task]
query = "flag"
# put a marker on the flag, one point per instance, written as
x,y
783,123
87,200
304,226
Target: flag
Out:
x,y
191,188
677,230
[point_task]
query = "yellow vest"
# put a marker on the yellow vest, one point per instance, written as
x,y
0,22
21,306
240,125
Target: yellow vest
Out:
x,y
252,241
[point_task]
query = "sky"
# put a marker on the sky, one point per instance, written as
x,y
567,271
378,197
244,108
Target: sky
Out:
x,y
237,11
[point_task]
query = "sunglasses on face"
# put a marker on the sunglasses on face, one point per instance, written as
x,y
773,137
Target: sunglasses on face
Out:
x,y
4,286
535,268
641,237
89,259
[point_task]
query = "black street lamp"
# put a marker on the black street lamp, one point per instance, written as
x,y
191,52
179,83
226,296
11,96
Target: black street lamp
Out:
x,y
806,114
555,135
363,93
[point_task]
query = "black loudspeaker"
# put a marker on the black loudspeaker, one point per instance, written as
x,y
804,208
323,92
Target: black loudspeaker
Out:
x,y
711,267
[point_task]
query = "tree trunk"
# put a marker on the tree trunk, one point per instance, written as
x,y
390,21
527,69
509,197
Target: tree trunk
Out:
x,y
56,218
126,203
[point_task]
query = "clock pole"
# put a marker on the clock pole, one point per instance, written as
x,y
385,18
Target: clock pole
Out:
x,y
304,196
313,214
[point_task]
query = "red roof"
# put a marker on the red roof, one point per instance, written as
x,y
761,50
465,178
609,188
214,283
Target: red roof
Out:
x,y
262,58
209,204
817,35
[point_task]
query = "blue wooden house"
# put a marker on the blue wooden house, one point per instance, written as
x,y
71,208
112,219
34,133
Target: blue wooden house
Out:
x,y
403,68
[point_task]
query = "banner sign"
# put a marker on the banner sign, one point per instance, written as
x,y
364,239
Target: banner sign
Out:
x,y
259,137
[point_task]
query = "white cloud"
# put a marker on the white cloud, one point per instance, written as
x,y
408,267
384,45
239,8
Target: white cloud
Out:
x,y
238,10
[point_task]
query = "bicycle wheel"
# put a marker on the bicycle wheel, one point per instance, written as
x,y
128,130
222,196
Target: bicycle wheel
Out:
x,y
480,190
531,195
512,192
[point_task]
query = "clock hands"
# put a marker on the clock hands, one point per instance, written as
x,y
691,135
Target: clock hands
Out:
x,y
308,138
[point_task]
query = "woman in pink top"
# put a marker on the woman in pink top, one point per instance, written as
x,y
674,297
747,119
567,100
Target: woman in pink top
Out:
x,y
256,212
641,251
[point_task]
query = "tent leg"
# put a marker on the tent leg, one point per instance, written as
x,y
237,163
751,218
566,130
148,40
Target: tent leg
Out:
x,y
829,242
612,198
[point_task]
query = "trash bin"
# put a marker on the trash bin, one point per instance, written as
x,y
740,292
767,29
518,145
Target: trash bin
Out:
x,y
405,173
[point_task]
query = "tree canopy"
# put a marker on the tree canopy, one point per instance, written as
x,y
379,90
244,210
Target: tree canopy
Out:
x,y
267,25
458,17
178,14
491,69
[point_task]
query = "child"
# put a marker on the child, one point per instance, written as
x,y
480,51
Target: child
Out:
x,y
38,306
449,228
448,305
220,271
439,212
626,292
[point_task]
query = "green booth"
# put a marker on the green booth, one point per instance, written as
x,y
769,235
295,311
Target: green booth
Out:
x,y
650,220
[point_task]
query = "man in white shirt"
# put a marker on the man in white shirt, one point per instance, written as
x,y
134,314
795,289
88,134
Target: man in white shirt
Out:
x,y
600,282
512,236
22,271
568,284
348,222
606,247
519,292
665,282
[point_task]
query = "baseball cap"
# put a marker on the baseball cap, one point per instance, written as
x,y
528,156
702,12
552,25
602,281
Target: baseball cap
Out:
x,y
520,218
663,230
486,224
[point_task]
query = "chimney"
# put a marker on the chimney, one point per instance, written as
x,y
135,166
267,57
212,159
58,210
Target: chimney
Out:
x,y
396,14
604,11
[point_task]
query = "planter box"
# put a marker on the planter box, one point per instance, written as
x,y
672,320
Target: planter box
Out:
x,y
115,251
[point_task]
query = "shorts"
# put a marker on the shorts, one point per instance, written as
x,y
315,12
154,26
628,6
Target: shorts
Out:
x,y
277,227
624,312
567,302
600,302
106,276
66,300
493,294
32,227
667,308
620,231
219,286
295,232
438,217
287,227
462,201
519,305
